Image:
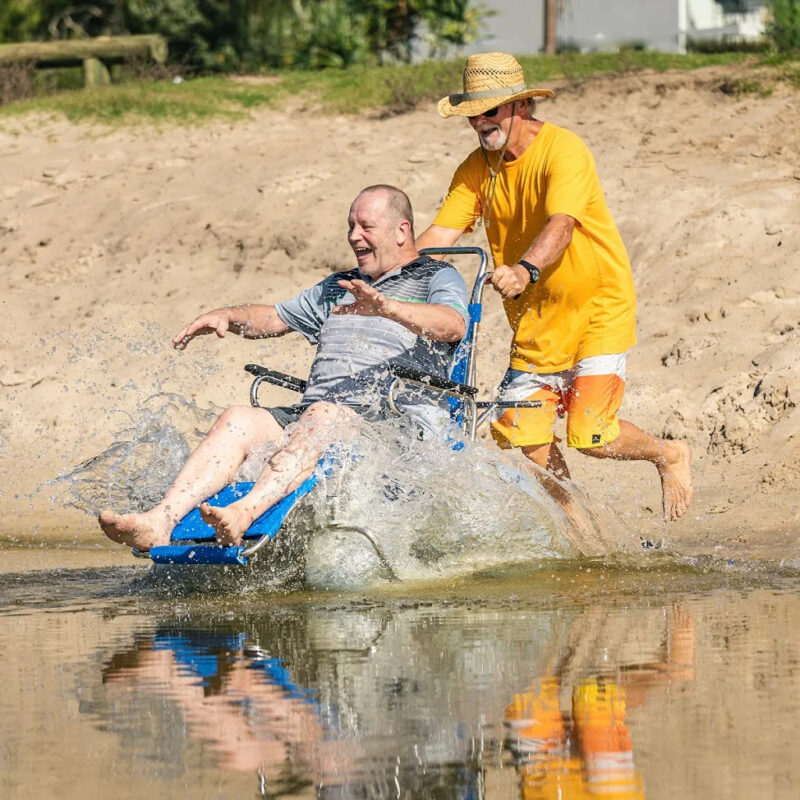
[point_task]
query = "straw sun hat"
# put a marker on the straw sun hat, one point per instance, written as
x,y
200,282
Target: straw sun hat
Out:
x,y
490,79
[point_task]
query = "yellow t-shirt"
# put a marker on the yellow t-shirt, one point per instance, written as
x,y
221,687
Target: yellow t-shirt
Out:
x,y
584,304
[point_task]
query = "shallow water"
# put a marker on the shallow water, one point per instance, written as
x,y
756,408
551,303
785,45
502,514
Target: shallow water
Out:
x,y
678,679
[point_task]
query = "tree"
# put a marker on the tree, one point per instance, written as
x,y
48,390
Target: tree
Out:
x,y
783,27
236,34
19,20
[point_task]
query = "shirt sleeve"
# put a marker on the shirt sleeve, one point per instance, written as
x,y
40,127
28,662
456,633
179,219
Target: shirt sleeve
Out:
x,y
306,312
448,288
571,178
463,204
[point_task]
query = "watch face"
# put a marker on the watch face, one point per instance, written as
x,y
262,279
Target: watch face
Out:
x,y
532,271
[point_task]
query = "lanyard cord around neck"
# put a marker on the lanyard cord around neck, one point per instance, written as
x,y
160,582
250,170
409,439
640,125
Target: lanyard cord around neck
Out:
x,y
493,173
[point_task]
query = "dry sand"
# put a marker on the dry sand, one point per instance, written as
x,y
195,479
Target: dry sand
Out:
x,y
110,240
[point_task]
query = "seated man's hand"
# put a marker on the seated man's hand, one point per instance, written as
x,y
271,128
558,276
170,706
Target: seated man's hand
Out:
x,y
369,302
510,281
213,322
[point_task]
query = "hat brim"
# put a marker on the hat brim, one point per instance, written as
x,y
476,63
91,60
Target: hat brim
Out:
x,y
471,108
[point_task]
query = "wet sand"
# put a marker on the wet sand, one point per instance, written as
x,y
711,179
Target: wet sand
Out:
x,y
50,555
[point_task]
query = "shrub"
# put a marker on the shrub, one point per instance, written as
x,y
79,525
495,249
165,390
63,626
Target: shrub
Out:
x,y
783,27
223,35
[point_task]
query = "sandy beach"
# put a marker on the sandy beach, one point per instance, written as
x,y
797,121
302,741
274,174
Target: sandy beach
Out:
x,y
112,239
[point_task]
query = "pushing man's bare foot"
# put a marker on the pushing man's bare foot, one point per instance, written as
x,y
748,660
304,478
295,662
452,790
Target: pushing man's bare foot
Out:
x,y
141,531
229,522
676,479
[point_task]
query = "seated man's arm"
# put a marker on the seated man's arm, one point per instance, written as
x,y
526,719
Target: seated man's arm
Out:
x,y
434,321
438,236
250,321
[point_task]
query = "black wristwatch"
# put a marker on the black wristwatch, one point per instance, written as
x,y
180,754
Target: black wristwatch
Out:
x,y
533,270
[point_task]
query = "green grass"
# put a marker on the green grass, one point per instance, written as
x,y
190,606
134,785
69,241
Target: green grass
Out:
x,y
738,86
155,101
354,90
790,73
586,65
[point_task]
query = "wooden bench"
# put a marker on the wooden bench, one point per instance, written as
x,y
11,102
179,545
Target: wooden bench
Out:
x,y
94,54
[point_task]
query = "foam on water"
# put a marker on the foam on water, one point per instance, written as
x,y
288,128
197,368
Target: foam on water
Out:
x,y
396,507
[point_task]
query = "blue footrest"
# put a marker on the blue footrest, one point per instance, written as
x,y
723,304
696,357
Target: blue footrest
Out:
x,y
193,542
198,554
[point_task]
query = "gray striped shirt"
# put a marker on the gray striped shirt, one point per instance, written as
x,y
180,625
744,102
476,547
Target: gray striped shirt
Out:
x,y
353,351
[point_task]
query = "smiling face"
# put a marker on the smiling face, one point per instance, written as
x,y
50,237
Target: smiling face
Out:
x,y
377,234
493,130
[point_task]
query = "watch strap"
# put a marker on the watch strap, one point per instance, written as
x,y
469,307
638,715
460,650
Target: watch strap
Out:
x,y
533,270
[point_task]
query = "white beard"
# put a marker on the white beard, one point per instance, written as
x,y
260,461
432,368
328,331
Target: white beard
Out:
x,y
494,139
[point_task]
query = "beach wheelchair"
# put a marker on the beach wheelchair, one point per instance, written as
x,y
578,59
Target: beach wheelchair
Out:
x,y
193,542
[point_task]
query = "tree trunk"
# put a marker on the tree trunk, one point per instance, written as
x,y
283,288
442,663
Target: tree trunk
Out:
x,y
550,36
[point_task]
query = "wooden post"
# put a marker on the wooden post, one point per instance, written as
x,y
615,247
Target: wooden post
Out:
x,y
95,73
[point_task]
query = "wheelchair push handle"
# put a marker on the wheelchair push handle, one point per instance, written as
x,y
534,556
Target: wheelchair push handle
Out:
x,y
432,381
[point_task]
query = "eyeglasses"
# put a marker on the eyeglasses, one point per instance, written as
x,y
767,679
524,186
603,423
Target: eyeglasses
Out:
x,y
492,112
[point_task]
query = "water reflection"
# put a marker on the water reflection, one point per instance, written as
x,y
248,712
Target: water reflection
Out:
x,y
417,701
682,683
590,754
588,750
242,703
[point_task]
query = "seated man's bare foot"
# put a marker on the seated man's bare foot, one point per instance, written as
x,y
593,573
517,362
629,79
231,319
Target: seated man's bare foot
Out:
x,y
676,480
141,531
229,522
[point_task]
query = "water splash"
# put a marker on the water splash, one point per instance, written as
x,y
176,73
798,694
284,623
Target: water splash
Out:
x,y
407,509
397,507
133,473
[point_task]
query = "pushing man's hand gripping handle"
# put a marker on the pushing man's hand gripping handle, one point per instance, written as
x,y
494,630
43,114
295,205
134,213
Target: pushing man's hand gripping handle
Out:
x,y
511,281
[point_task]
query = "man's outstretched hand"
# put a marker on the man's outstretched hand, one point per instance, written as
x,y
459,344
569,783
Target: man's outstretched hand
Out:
x,y
212,322
369,302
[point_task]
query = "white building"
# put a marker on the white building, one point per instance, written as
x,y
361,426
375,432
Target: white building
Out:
x,y
517,26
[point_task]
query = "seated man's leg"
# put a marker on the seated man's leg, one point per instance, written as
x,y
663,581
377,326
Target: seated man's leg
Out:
x,y
593,428
237,432
321,425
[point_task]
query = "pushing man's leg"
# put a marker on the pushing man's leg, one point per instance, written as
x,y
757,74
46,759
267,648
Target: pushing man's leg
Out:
x,y
518,426
320,426
672,459
210,467
594,428
549,457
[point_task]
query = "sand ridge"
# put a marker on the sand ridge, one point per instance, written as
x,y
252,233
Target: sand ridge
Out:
x,y
111,239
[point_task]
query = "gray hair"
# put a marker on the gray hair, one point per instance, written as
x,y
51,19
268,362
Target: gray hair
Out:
x,y
527,107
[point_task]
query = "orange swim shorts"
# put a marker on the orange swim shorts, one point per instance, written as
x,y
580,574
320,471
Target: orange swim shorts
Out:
x,y
589,395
